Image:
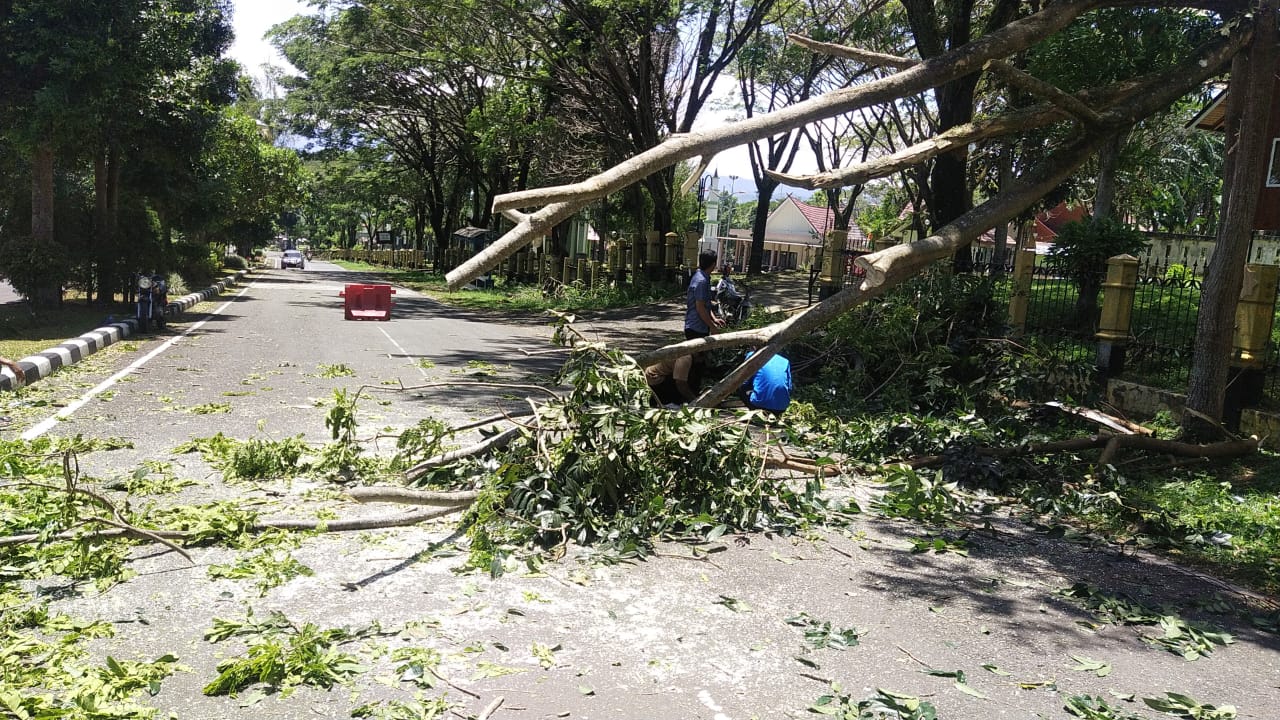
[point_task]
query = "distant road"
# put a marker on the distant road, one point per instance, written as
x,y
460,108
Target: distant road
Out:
x,y
7,293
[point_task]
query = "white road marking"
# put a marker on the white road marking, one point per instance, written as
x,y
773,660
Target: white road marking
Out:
x,y
49,423
405,353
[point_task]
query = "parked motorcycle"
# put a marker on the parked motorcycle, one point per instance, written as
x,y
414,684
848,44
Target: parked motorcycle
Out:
x,y
153,299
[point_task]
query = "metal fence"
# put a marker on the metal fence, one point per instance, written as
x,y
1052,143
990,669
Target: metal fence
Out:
x,y
1166,303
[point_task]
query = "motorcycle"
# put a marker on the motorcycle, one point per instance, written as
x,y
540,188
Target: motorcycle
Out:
x,y
730,304
153,300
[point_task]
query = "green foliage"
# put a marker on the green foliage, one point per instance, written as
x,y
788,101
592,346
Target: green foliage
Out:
x,y
884,705
1179,637
1187,708
422,441
820,634
235,262
252,459
1095,708
46,672
603,466
911,495
198,264
269,568
420,708
334,371
1081,248
33,267
283,656
930,346
1178,272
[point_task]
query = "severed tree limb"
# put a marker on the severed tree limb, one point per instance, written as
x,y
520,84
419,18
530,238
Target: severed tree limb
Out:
x,y
563,201
142,534
1218,450
498,441
886,268
352,525
509,417
958,136
409,496
1045,448
1035,86
870,57
1111,422
1019,120
1039,181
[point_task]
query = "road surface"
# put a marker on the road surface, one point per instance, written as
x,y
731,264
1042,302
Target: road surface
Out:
x,y
718,636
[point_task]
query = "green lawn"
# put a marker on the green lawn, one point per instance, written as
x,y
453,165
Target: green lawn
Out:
x,y
24,333
521,297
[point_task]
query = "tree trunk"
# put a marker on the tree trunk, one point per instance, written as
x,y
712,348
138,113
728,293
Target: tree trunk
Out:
x,y
1104,193
1248,117
42,199
1000,239
755,260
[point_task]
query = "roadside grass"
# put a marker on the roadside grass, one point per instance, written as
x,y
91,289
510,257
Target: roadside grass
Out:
x,y
1227,518
521,297
24,333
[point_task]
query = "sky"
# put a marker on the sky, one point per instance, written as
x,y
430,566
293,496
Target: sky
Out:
x,y
251,19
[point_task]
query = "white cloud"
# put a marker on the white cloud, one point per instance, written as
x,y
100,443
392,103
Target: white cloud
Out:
x,y
251,19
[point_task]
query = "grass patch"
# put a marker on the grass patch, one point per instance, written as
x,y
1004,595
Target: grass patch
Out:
x,y
24,333
521,297
1229,519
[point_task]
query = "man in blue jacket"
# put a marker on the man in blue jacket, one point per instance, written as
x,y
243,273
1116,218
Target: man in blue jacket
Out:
x,y
770,389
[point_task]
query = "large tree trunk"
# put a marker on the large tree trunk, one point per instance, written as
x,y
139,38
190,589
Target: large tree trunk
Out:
x,y
1104,193
755,262
42,200
1248,117
1000,239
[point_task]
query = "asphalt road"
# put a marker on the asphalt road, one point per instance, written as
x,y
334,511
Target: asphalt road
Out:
x,y
715,636
268,355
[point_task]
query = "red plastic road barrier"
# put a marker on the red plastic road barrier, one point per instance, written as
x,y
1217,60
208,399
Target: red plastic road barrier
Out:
x,y
367,302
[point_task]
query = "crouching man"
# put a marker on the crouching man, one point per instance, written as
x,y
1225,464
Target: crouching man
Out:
x,y
674,382
770,388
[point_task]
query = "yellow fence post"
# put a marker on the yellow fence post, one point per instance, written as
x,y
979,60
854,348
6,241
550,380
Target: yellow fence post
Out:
x,y
1023,263
832,274
1255,313
1117,312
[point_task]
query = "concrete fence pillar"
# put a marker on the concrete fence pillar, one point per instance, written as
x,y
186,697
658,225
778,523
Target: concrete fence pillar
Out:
x,y
832,275
1117,312
1023,263
1255,313
672,246
690,259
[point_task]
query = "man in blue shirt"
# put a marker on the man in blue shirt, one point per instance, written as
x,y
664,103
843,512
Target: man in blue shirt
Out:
x,y
699,322
770,389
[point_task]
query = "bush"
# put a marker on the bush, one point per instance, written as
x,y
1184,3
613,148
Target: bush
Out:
x,y
235,262
198,264
34,268
1178,272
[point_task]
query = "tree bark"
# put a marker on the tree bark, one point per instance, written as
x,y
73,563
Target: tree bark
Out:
x,y
1249,113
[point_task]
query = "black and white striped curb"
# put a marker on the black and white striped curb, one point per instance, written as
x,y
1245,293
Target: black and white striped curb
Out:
x,y
43,364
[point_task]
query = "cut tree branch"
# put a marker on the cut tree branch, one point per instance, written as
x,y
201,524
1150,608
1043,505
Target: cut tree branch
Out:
x,y
408,496
887,268
1035,86
563,201
870,57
